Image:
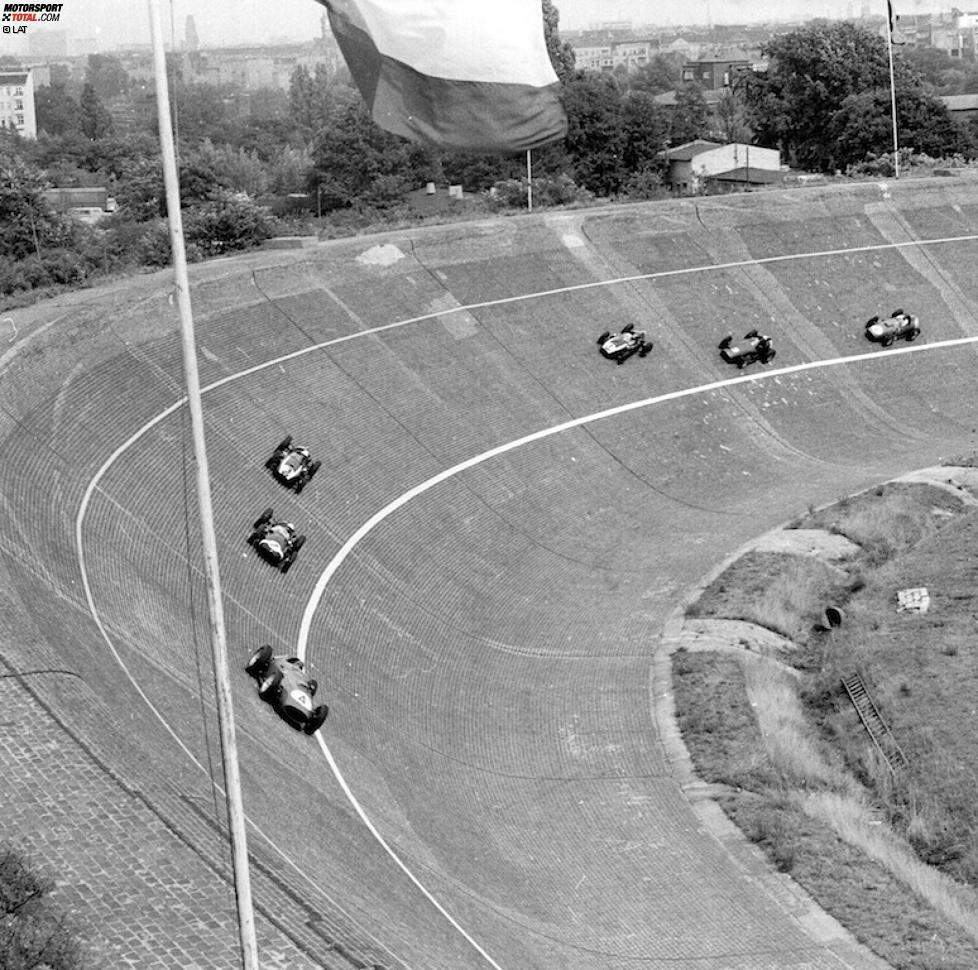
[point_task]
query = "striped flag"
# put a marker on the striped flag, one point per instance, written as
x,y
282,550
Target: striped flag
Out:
x,y
467,75
894,32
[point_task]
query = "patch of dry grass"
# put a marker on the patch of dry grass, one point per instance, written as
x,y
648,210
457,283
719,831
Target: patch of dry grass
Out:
x,y
805,771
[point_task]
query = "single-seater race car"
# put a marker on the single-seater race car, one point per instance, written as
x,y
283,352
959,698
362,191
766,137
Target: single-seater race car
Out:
x,y
283,683
754,347
620,346
898,325
291,465
276,542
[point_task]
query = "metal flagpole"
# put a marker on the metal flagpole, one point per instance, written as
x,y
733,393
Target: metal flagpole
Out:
x,y
529,182
893,114
232,778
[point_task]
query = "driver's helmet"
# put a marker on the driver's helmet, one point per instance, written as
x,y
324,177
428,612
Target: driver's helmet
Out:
x,y
290,526
303,451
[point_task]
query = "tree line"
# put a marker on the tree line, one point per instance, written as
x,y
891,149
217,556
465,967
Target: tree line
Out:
x,y
823,101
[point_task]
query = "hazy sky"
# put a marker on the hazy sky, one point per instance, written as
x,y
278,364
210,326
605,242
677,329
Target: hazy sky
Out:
x,y
117,22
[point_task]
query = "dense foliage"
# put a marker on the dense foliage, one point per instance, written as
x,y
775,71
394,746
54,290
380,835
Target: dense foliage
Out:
x,y
824,100
312,157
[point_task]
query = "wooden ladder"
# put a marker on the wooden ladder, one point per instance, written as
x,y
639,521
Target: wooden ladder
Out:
x,y
873,722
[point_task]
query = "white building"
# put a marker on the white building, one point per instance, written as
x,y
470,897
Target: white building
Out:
x,y
17,101
693,165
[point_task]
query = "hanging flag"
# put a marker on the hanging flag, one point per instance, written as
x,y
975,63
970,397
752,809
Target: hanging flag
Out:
x,y
468,75
894,32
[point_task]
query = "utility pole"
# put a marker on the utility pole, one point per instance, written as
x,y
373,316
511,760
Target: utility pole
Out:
x,y
222,681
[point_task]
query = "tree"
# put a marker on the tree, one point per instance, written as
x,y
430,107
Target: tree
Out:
x,y
561,53
862,126
28,226
595,137
690,116
57,113
811,72
317,100
662,73
355,159
731,117
94,119
107,76
645,126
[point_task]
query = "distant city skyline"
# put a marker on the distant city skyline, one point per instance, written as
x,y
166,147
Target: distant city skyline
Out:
x,y
115,23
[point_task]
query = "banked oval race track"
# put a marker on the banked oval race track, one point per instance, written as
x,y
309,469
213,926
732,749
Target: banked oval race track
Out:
x,y
502,526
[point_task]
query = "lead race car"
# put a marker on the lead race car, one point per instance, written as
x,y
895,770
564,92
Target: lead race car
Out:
x,y
292,465
277,542
754,347
284,683
899,325
620,346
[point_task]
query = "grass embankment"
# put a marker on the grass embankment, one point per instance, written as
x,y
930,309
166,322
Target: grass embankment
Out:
x,y
893,855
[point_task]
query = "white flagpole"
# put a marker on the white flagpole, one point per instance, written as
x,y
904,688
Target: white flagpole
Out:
x,y
232,778
529,182
893,114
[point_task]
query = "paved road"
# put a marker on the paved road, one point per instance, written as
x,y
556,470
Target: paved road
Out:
x,y
502,796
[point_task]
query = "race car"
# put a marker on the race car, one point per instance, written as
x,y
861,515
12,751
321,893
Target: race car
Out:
x,y
291,465
283,683
755,346
897,325
276,542
620,346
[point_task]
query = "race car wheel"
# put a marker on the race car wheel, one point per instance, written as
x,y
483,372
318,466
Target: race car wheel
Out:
x,y
872,320
286,565
770,356
913,335
897,313
266,516
300,483
259,661
299,543
725,343
269,684
603,338
273,461
253,539
741,364
628,328
284,444
313,468
887,340
315,722
313,686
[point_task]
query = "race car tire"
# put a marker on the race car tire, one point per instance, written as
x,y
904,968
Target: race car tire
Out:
x,y
770,356
269,684
315,722
603,338
259,661
725,343
253,539
751,334
266,516
621,360
628,328
285,566
300,484
313,686
886,339
913,335
646,350
872,320
314,467
897,313
284,444
273,461
299,543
